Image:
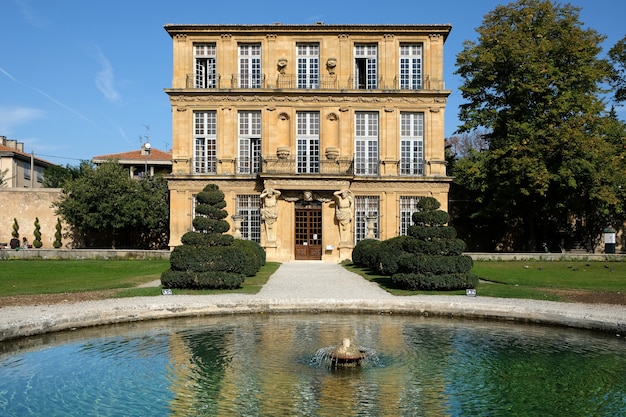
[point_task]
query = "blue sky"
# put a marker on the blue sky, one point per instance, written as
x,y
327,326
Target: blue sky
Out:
x,y
81,78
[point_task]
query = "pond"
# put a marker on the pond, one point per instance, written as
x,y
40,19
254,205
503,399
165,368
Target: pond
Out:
x,y
265,365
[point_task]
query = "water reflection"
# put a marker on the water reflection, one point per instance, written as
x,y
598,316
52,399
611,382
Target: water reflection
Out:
x,y
262,365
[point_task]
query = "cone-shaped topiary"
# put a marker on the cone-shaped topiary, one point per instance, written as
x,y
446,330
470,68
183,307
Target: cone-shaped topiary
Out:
x,y
432,258
37,242
16,229
57,235
208,258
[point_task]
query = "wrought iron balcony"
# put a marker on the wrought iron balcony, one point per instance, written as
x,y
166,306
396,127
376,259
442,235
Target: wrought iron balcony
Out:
x,y
322,82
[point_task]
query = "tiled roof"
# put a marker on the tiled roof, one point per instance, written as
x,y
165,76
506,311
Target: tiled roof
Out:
x,y
155,155
7,150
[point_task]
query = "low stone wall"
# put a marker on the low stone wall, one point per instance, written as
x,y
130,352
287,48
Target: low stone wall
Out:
x,y
541,256
83,254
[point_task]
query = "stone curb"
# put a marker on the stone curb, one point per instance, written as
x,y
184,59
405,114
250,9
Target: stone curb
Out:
x,y
24,321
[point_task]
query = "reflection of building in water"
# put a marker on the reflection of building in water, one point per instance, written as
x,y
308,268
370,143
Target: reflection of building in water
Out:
x,y
308,110
250,368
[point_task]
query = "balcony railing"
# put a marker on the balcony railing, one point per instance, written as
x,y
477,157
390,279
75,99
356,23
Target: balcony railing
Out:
x,y
293,166
323,82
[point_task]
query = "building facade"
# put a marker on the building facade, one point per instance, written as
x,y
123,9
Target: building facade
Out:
x,y
318,135
145,161
19,169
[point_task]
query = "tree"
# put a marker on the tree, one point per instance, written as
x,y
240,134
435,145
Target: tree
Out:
x,y
532,80
106,208
56,176
37,242
209,258
617,56
58,235
15,231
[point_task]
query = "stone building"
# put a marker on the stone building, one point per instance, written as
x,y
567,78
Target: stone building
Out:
x,y
145,161
19,169
319,135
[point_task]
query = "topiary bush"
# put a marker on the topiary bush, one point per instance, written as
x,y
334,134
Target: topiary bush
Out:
x,y
208,258
37,233
365,253
430,257
57,235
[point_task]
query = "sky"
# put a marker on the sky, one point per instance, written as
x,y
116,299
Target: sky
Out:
x,y
80,79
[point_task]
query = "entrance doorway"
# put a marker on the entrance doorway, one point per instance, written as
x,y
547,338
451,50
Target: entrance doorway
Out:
x,y
308,230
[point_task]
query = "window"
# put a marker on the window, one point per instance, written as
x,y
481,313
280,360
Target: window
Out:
x,y
250,66
249,142
248,206
408,206
204,57
308,139
364,207
411,66
27,171
366,143
365,67
411,143
308,57
205,138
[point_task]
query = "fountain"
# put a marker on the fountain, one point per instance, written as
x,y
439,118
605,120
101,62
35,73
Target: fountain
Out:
x,y
345,355
267,365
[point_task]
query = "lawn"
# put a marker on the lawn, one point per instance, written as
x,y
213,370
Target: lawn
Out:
x,y
27,277
510,279
529,279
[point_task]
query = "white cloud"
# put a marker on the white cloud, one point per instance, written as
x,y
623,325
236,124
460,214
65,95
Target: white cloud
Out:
x,y
13,116
105,79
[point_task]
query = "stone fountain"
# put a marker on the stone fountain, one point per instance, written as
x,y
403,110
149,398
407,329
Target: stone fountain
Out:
x,y
344,355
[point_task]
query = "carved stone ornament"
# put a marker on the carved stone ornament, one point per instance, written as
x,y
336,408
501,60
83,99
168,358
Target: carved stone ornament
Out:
x,y
331,63
332,153
283,152
282,64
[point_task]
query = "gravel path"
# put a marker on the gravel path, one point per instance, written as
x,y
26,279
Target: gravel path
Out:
x,y
306,286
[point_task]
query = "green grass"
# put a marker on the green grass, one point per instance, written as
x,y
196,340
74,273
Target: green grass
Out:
x,y
508,279
22,277
528,279
28,277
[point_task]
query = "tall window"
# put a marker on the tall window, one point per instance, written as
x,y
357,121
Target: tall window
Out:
x,y
205,139
411,143
249,142
249,206
411,66
308,57
250,65
408,206
204,57
366,143
364,207
308,139
365,66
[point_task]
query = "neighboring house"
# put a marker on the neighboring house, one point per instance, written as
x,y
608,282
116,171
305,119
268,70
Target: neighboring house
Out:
x,y
18,168
319,135
145,160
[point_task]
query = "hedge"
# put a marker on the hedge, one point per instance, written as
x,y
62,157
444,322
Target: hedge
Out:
x,y
201,280
432,282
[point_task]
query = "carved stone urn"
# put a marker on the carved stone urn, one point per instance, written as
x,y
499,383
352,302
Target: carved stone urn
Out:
x,y
332,153
283,152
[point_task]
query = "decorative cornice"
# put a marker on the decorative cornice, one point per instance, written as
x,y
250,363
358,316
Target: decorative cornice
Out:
x,y
215,98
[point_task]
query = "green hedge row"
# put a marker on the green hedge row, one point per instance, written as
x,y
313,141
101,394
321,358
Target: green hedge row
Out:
x,y
202,280
432,282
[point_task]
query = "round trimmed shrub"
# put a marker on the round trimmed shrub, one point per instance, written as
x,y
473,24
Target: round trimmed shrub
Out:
x,y
365,253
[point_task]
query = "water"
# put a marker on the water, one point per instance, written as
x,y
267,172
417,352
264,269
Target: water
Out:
x,y
264,365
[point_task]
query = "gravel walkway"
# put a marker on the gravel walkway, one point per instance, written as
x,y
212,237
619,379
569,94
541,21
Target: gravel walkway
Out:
x,y
301,286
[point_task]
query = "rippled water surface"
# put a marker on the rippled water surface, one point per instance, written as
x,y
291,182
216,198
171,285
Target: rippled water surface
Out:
x,y
264,365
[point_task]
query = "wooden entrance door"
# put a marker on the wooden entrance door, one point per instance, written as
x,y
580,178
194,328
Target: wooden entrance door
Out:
x,y
308,232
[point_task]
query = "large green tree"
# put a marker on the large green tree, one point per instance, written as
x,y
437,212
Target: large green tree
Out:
x,y
533,81
107,208
617,55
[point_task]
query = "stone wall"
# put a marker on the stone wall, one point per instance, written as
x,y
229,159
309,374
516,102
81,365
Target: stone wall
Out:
x,y
25,205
